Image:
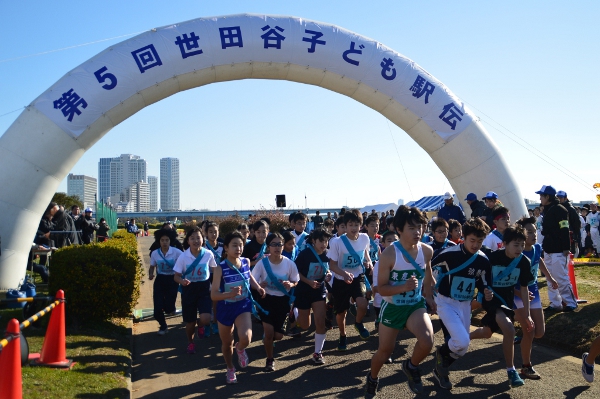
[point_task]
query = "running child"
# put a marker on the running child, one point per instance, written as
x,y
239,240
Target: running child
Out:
x,y
164,290
232,282
290,250
372,225
328,225
455,229
313,268
192,271
587,369
340,227
389,237
533,251
215,246
257,247
245,230
501,218
278,275
509,267
299,221
348,254
439,227
458,270
404,270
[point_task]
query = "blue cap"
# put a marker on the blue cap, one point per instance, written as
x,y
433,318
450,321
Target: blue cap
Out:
x,y
490,195
88,210
471,197
561,194
546,190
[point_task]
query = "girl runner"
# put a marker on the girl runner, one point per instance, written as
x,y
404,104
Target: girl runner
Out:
x,y
278,276
313,267
257,247
231,289
213,245
290,250
162,260
192,272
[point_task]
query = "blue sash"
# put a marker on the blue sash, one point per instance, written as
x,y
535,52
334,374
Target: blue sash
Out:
x,y
375,250
497,234
352,252
276,282
302,238
262,251
508,269
410,259
456,270
191,267
214,251
445,244
255,305
323,265
168,262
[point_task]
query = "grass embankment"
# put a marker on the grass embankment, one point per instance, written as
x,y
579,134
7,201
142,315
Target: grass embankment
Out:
x,y
102,355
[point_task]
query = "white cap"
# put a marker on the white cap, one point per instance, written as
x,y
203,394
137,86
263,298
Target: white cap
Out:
x,y
447,196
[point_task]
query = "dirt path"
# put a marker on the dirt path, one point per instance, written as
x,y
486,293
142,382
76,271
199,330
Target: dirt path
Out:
x,y
162,369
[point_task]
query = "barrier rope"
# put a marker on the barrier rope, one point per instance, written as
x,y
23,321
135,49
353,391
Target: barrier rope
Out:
x,y
39,314
28,299
5,341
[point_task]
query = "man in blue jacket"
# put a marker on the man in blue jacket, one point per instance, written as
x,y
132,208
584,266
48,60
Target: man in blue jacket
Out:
x,y
451,211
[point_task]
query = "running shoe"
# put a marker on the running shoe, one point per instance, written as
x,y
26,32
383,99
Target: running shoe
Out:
x,y
215,328
441,364
587,371
200,332
414,377
553,309
162,330
514,379
318,358
518,340
206,331
270,366
230,377
342,344
242,358
567,309
294,332
529,372
443,381
191,349
362,331
371,385
352,309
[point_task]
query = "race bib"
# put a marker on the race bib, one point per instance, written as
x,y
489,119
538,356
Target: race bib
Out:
x,y
229,286
507,281
462,288
405,298
350,262
200,273
164,268
315,271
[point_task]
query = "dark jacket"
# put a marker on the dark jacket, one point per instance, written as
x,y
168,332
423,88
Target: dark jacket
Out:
x,y
87,227
448,212
574,222
478,209
555,228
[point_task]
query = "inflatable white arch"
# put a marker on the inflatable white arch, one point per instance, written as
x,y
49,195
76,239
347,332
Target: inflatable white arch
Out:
x,y
48,138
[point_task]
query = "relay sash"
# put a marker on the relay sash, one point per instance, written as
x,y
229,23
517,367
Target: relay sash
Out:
x,y
168,262
192,267
323,265
214,251
276,282
255,305
455,270
352,252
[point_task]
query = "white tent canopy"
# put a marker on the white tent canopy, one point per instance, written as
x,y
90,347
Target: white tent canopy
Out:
x,y
379,208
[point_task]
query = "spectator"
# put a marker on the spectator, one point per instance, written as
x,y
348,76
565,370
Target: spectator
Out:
x,y
64,231
103,229
492,203
477,207
335,216
574,223
146,228
87,226
556,246
317,220
329,216
132,228
451,211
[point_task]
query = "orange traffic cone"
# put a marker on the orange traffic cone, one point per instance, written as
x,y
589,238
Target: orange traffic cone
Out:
x,y
573,281
11,385
54,348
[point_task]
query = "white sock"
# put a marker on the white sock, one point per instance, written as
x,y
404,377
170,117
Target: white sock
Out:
x,y
511,368
319,342
296,313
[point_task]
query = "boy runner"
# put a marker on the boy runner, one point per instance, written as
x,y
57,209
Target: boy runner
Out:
x,y
404,269
458,270
501,218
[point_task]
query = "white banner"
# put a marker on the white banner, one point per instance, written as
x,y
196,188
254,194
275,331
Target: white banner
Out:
x,y
88,91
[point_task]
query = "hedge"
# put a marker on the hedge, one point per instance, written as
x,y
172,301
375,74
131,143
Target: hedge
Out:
x,y
100,280
227,224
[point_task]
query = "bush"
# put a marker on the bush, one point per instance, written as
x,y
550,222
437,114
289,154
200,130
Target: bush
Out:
x,y
227,224
100,280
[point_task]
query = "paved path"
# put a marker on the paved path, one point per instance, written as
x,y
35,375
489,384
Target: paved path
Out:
x,y
162,368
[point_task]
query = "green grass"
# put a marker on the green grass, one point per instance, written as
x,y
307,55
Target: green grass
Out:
x,y
102,355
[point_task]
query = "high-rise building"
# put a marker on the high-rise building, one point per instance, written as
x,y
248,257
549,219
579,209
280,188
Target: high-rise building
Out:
x,y
116,174
84,187
139,194
169,184
153,184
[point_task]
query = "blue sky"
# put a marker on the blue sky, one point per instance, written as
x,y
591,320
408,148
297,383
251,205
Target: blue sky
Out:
x,y
527,69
